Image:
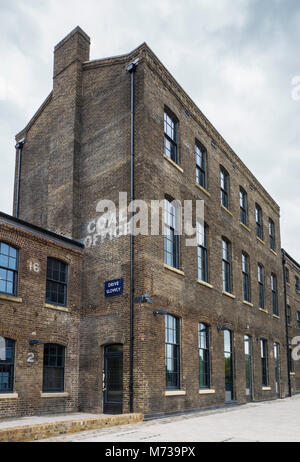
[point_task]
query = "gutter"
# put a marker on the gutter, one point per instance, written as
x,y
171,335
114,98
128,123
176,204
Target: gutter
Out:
x,y
19,147
131,69
286,323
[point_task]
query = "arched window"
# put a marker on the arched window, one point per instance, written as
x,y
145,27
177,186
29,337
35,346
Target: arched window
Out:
x,y
246,277
226,265
171,232
57,278
224,185
171,128
201,163
8,269
202,233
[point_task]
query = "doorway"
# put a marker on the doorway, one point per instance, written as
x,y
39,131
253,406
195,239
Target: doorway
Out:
x,y
113,380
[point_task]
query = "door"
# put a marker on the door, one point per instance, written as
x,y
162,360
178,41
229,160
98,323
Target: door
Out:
x,y
228,356
248,366
277,368
113,380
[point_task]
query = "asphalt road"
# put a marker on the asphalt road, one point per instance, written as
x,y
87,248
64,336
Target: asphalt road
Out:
x,y
264,422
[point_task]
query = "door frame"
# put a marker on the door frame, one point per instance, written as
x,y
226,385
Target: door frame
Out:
x,y
110,407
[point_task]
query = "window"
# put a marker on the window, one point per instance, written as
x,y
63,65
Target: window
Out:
x,y
172,328
297,284
246,278
224,183
56,287
202,252
226,265
298,319
171,234
204,356
261,286
248,364
7,361
54,368
274,294
201,157
243,206
272,234
287,275
264,362
170,125
259,223
8,269
288,315
291,362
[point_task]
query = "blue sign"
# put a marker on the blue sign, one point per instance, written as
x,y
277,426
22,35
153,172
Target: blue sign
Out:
x,y
114,287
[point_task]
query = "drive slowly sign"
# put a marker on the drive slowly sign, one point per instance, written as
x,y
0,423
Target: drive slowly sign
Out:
x,y
114,287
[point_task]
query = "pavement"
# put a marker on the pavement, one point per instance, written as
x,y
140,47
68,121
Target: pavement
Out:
x,y
271,421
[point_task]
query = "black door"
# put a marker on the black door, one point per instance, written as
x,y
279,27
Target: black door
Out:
x,y
113,379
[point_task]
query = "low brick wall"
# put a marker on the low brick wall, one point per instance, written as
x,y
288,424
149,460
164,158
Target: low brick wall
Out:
x,y
50,429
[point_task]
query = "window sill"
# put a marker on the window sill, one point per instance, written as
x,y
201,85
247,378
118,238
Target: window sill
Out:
x,y
175,393
54,395
273,252
245,227
205,284
266,388
263,310
207,392
175,270
248,303
203,189
226,210
11,298
9,396
228,294
275,316
260,240
56,308
173,163
293,373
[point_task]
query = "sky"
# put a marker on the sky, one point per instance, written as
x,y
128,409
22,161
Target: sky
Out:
x,y
238,60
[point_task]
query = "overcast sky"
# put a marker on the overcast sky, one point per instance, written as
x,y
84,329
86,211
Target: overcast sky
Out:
x,y
235,58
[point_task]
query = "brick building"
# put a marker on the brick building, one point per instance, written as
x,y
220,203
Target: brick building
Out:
x,y
292,287
39,320
218,332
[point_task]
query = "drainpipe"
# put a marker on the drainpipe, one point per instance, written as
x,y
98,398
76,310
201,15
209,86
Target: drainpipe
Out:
x,y
19,147
131,69
286,323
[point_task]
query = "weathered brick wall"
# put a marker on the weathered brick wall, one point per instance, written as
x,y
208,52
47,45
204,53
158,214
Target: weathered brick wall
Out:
x,y
293,300
26,318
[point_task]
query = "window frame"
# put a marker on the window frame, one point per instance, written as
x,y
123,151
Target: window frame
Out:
x,y
259,222
58,283
264,362
170,234
8,367
298,319
274,288
176,351
297,284
47,389
7,269
202,254
272,235
261,285
226,266
205,373
173,141
246,277
201,166
243,207
224,187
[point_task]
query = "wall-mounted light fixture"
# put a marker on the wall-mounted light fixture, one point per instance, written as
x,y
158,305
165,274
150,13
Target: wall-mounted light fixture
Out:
x,y
161,312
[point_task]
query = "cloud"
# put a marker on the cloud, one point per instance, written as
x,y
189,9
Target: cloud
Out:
x,y
235,59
